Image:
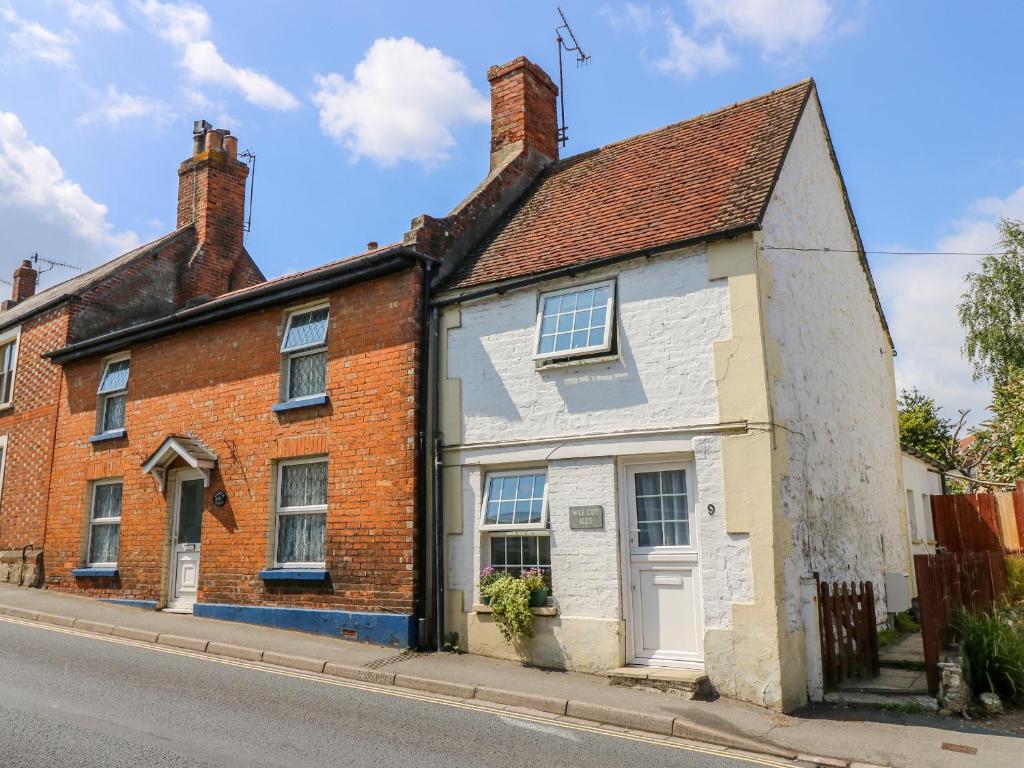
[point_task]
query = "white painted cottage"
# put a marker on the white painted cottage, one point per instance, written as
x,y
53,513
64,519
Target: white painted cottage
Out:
x,y
666,377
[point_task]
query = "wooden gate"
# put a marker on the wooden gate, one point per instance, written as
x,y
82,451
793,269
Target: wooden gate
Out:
x,y
948,582
849,633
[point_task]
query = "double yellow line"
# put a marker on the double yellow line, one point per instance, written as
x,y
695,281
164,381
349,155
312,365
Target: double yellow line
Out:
x,y
407,694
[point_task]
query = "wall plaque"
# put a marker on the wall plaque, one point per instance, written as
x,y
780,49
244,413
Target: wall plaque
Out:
x,y
586,518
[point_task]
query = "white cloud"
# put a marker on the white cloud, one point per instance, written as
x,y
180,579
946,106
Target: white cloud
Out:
x,y
920,295
774,25
117,107
187,26
32,40
689,58
400,104
714,30
42,211
94,13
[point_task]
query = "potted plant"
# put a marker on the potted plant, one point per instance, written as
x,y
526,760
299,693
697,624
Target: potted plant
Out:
x,y
535,580
509,599
488,576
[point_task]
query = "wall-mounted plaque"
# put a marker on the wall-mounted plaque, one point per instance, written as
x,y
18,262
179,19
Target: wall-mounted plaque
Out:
x,y
586,518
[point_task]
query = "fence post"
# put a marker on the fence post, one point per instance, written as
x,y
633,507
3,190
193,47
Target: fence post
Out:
x,y
812,637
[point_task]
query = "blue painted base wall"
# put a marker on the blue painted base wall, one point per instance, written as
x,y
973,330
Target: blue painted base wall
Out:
x,y
147,604
381,628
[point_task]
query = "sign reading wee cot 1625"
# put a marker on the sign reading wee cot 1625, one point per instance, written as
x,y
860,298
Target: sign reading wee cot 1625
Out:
x,y
586,518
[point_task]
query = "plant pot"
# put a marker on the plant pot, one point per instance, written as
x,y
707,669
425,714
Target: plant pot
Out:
x,y
486,599
539,597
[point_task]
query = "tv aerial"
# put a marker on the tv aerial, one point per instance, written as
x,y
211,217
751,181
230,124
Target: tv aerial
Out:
x,y
581,58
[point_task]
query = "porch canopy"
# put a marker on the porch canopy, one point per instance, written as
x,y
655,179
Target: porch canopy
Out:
x,y
189,449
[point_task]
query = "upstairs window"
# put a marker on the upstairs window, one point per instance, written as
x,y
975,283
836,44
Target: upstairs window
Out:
x,y
576,321
515,500
8,362
304,347
113,394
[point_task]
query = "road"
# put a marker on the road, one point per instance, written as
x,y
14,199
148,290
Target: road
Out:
x,y
73,700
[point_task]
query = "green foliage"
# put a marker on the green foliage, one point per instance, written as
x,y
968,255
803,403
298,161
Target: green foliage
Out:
x,y
1015,579
905,623
921,427
993,647
887,636
451,643
534,578
1001,440
510,603
992,308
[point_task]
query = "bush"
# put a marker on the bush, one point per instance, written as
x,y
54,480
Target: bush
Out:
x,y
905,623
1015,578
993,647
510,603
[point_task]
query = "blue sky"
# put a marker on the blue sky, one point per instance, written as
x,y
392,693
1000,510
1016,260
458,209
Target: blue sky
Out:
x,y
364,115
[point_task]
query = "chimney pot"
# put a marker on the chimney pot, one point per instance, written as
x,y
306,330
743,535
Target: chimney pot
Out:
x,y
214,140
372,245
231,145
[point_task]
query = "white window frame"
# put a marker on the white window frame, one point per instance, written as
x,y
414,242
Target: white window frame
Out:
x,y
606,347
11,336
520,533
105,395
541,526
309,349
303,510
3,463
103,521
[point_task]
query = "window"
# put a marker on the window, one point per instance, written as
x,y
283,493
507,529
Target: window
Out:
x,y
3,461
305,349
515,500
514,554
301,513
575,322
662,513
8,363
113,395
105,523
929,525
911,515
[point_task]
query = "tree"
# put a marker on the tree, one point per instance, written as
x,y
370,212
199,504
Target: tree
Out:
x,y
992,308
921,426
1000,441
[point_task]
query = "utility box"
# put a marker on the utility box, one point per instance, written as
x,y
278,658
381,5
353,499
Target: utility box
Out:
x,y
897,591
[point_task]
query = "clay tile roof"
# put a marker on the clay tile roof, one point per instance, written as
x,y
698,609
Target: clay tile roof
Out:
x,y
705,176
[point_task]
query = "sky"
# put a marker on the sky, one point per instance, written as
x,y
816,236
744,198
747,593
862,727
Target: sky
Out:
x,y
363,116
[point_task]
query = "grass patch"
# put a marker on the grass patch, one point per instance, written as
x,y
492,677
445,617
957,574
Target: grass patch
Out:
x,y
904,707
905,623
1015,578
887,636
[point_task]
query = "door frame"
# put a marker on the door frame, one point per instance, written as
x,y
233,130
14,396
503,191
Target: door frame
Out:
x,y
180,476
688,463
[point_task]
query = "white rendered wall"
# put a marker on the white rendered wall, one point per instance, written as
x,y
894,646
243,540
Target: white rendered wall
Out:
x,y
920,481
669,315
833,390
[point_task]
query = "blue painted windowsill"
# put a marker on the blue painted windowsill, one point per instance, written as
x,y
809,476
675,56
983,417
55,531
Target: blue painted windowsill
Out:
x,y
302,402
114,434
294,574
80,573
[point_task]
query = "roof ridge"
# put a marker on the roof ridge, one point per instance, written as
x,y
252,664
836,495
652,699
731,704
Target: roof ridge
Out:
x,y
807,81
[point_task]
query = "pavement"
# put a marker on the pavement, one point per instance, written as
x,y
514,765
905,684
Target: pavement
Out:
x,y
819,738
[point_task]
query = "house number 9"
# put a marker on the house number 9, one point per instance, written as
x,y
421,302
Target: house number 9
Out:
x,y
711,509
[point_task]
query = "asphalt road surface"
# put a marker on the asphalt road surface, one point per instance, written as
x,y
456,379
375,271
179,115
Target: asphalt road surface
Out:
x,y
69,700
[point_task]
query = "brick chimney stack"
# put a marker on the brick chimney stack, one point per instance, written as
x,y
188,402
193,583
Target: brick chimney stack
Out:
x,y
211,197
523,113
25,279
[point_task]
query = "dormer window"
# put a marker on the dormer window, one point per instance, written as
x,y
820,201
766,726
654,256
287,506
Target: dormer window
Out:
x,y
575,322
113,395
304,348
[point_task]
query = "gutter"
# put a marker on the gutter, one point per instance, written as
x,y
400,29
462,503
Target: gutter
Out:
x,y
574,269
345,273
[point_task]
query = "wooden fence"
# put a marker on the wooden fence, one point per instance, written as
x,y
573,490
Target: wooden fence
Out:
x,y
849,633
980,522
948,582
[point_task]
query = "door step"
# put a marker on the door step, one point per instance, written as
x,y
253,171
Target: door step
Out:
x,y
687,683
904,702
178,610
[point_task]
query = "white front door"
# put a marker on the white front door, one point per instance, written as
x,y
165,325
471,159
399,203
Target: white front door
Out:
x,y
185,542
666,626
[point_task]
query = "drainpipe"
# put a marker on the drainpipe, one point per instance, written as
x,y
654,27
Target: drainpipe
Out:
x,y
436,441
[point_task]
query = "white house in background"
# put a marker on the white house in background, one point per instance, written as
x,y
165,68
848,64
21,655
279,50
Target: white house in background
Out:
x,y
923,477
665,376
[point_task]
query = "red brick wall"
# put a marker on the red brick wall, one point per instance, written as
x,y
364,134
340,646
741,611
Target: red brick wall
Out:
x,y
28,424
219,382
